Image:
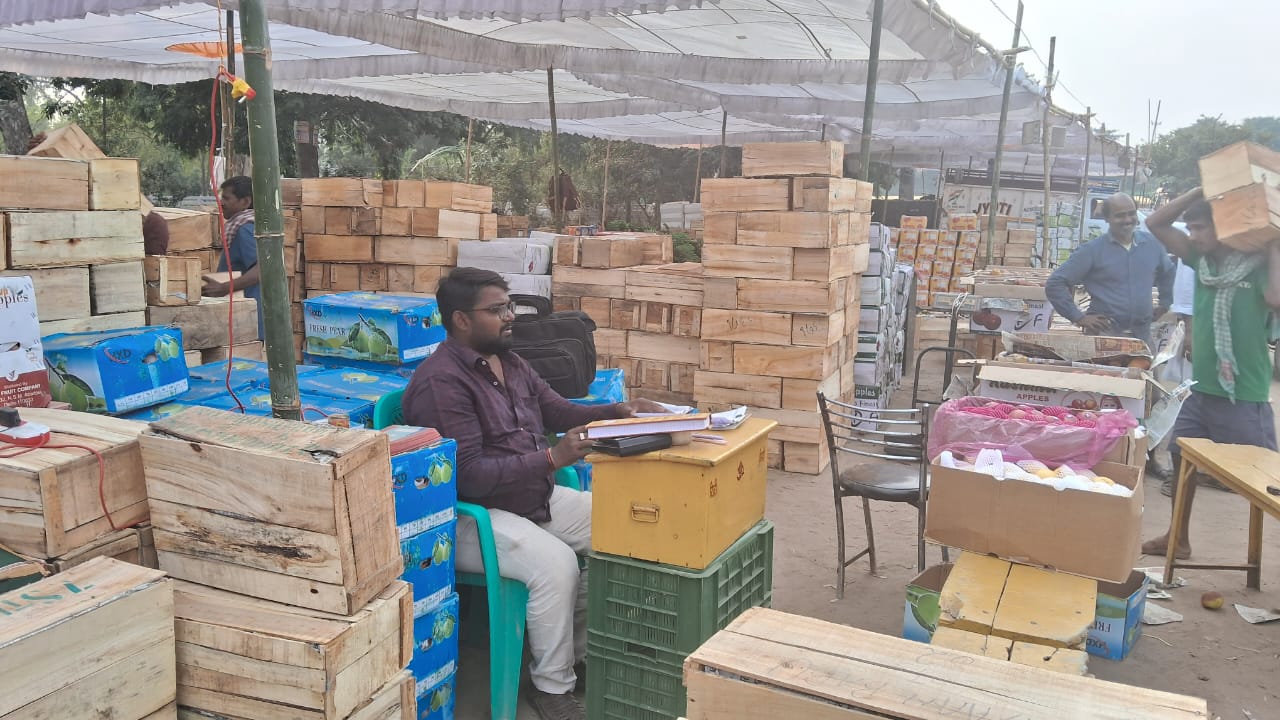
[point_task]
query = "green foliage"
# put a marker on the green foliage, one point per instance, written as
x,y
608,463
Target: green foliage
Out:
x,y
685,249
1176,155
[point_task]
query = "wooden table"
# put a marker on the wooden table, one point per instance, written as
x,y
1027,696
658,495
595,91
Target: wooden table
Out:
x,y
1246,469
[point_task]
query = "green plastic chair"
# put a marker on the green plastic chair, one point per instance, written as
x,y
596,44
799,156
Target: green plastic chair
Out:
x,y
507,598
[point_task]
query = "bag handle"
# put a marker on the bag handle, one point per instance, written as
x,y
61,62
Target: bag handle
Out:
x,y
540,305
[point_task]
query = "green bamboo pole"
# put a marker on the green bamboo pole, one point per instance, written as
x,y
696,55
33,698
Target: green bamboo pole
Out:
x,y
268,218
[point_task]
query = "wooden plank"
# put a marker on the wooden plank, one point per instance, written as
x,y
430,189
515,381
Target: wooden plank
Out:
x,y
742,261
712,697
568,250
117,287
352,221
114,184
395,701
625,314
798,394
1046,608
189,229
404,193
434,222
37,183
802,660
248,350
737,389
676,284
204,325
123,545
793,229
719,228
54,239
171,280
824,158
792,362
61,293
996,648
312,219
828,265
746,326
338,248
115,321
821,194
581,282
66,628
459,196
656,346
344,192
397,221
655,317
129,688
744,195
971,594
1070,662
715,356
686,321
598,309
373,277
682,378
415,250
817,330
789,296
611,342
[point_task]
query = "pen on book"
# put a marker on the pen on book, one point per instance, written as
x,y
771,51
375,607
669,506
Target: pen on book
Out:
x,y
708,438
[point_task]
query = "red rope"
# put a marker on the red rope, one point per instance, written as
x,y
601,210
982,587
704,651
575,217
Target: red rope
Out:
x,y
222,227
102,467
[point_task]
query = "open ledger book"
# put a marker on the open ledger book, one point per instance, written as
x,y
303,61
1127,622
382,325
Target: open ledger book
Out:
x,y
651,425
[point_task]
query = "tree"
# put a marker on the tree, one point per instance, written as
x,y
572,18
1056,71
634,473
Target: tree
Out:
x,y
1176,155
15,126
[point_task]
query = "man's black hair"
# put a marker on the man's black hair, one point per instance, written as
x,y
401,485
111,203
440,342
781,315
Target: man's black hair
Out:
x,y
1199,210
241,186
460,290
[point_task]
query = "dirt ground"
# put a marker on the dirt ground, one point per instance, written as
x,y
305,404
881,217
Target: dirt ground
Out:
x,y
1211,654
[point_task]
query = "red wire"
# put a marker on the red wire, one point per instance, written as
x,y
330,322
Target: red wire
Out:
x,y
102,468
222,228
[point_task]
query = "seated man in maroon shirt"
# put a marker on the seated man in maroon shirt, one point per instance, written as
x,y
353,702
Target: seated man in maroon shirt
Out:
x,y
475,390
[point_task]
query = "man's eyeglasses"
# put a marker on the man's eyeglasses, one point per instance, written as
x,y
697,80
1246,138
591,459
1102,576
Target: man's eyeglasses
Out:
x,y
500,310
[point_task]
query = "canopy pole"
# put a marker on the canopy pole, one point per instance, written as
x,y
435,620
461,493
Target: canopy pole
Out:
x,y
471,122
942,170
1010,59
724,146
1084,182
558,210
1044,136
224,95
869,100
1102,150
697,177
269,220
604,198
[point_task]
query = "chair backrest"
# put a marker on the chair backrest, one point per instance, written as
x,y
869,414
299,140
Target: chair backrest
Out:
x,y
387,411
899,434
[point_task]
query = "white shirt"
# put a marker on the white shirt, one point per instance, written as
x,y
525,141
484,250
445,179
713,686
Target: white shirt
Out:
x,y
1184,289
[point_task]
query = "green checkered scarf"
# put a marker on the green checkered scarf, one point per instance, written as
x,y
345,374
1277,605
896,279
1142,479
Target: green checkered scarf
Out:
x,y
1232,269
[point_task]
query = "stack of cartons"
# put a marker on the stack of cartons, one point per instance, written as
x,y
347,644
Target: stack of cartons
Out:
x,y
783,248
74,226
524,263
940,257
63,506
885,302
94,641
1241,184
661,316
1054,237
396,236
289,603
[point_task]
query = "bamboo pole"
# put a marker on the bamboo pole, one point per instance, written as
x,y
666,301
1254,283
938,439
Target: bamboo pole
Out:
x,y
471,122
869,100
557,212
1044,137
268,219
604,198
1010,59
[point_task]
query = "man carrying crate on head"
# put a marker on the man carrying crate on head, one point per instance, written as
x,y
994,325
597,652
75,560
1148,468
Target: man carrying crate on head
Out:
x,y
1235,295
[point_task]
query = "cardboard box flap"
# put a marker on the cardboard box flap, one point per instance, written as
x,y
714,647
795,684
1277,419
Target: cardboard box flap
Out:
x,y
1064,380
1009,290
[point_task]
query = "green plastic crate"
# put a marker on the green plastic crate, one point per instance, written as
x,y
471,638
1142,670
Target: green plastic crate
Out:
x,y
675,608
631,681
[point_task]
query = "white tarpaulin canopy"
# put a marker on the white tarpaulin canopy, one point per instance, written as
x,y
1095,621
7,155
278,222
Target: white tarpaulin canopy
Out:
x,y
780,69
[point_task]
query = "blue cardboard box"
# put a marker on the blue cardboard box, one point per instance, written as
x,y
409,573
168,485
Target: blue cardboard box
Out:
x,y
1117,623
199,390
423,482
607,388
115,371
435,636
404,370
351,383
389,329
158,412
920,615
243,372
435,698
315,408
428,562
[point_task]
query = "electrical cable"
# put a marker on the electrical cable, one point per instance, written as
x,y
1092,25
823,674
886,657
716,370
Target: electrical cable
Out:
x,y
45,444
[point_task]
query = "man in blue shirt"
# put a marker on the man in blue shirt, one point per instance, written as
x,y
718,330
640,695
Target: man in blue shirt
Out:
x,y
1118,270
238,236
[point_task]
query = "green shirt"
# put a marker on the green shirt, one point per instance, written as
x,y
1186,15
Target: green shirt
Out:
x,y
1249,337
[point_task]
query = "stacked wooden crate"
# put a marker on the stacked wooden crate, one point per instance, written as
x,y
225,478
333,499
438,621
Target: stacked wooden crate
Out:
x,y
513,226
63,506
289,603
784,248
96,641
74,226
647,310
395,236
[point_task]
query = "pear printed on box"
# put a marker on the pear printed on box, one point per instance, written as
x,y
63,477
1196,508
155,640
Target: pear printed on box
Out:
x,y
436,696
115,371
388,329
428,562
351,383
315,408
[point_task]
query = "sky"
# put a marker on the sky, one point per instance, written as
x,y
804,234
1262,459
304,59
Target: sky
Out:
x,y
1197,58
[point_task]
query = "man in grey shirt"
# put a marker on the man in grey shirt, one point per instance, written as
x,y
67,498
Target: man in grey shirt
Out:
x,y
1118,270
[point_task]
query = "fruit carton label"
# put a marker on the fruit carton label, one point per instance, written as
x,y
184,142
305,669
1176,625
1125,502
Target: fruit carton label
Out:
x,y
157,412
24,381
351,383
315,408
607,388
117,370
1118,619
1019,316
435,636
435,694
19,321
428,561
424,486
388,329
